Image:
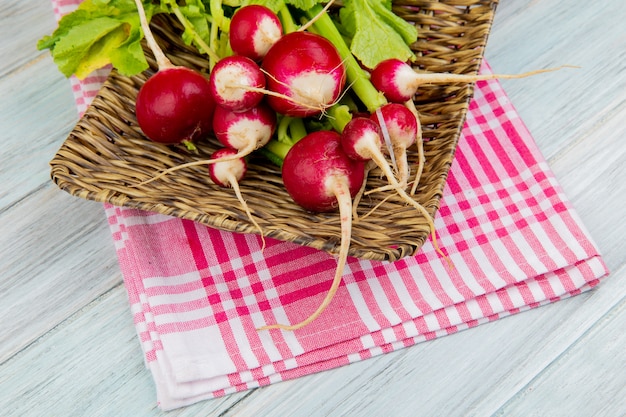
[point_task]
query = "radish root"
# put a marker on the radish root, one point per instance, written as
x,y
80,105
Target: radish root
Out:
x,y
379,159
342,193
439,78
240,154
373,209
419,141
359,195
235,186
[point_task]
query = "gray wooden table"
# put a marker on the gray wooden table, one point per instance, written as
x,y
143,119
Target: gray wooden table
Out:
x,y
67,342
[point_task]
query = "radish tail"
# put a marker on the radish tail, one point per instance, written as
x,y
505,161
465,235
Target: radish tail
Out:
x,y
434,78
317,107
342,194
235,185
240,154
403,164
378,158
419,140
387,138
316,17
357,198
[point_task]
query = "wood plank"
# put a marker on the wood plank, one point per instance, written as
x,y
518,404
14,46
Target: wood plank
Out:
x,y
558,107
53,262
37,113
586,380
89,365
592,173
23,24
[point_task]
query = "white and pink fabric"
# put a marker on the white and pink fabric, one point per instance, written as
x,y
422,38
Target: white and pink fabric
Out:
x,y
197,294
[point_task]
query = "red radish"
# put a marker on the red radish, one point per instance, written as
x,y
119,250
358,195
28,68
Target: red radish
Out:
x,y
174,105
320,177
312,168
402,127
306,72
244,131
228,173
399,82
253,30
361,139
236,82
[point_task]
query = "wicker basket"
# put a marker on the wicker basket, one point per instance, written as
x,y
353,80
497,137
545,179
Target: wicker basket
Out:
x,y
106,153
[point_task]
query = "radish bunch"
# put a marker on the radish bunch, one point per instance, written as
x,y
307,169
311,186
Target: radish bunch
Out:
x,y
303,98
291,77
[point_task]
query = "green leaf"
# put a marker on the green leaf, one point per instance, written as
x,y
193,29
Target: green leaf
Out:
x,y
377,33
305,4
274,5
65,24
74,48
129,57
98,33
100,51
399,25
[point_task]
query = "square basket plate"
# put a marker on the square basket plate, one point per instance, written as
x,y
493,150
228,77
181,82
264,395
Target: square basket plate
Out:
x,y
106,154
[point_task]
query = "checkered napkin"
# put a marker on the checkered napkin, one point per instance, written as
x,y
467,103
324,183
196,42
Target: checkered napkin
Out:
x,y
197,294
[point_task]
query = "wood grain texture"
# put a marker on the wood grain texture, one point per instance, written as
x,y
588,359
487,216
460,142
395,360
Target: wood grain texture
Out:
x,y
67,343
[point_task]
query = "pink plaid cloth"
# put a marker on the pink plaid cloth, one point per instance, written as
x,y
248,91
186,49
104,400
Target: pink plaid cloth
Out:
x,y
197,294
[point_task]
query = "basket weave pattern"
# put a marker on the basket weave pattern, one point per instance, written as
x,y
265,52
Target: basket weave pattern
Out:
x,y
106,154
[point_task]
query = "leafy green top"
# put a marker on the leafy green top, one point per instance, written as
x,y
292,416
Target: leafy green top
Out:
x,y
377,33
103,32
98,33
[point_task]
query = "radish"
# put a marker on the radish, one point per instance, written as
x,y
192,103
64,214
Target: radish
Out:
x,y
306,72
236,82
174,105
402,127
244,131
320,177
228,172
253,30
399,82
361,140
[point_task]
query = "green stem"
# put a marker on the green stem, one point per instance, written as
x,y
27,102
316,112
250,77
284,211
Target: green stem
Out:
x,y
357,78
277,148
282,131
213,40
271,156
286,20
290,130
201,43
339,115
297,130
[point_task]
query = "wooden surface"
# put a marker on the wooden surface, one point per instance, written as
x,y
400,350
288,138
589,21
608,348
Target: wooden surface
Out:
x,y
67,342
